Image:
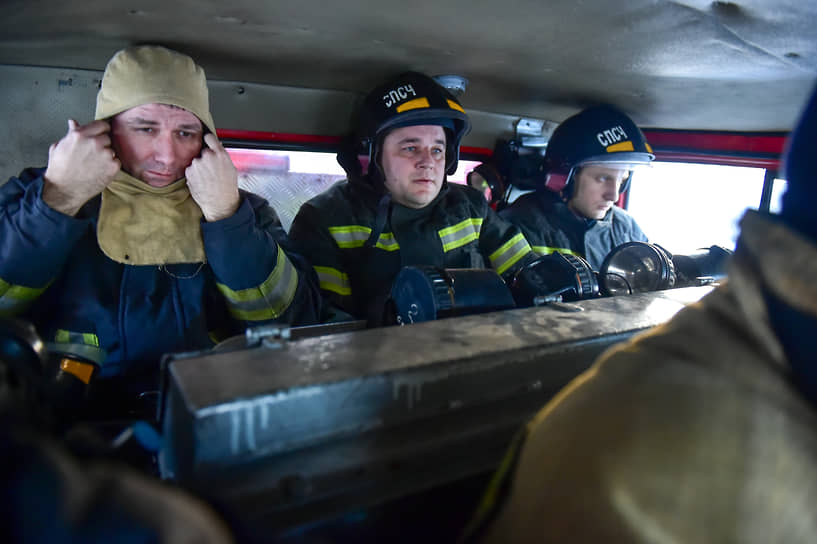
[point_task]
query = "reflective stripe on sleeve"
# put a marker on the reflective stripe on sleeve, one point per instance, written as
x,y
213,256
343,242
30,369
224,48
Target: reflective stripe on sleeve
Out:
x,y
509,253
268,300
16,298
349,236
460,234
332,279
545,250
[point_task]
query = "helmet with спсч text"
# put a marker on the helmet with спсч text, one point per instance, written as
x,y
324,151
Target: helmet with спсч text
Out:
x,y
411,99
598,135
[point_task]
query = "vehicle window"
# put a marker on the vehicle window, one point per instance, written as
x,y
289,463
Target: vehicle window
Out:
x,y
287,179
778,188
684,206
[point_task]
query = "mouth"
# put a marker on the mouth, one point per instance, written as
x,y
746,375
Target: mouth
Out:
x,y
160,175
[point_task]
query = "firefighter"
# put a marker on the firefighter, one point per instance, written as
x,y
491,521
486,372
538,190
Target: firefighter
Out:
x,y
588,163
701,430
401,211
135,240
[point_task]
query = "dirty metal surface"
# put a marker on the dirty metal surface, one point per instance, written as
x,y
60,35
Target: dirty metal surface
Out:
x,y
319,424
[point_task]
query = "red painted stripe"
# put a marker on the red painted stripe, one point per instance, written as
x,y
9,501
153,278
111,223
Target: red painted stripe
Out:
x,y
723,142
277,137
739,149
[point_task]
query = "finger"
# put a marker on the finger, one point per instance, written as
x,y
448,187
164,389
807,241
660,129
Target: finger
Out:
x,y
51,148
96,128
212,142
72,125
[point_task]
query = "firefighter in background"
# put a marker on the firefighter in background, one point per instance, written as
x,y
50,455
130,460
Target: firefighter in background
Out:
x,y
135,240
401,211
588,164
701,430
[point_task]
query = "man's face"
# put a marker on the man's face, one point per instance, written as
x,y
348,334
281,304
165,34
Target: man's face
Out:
x,y
413,161
596,190
156,142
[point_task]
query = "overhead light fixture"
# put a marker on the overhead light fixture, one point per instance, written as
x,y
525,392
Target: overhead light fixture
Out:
x,y
453,83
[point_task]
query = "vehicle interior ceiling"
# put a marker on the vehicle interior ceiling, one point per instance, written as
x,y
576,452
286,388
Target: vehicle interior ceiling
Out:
x,y
742,66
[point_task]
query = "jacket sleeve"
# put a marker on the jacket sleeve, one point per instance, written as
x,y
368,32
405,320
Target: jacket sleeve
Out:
x,y
312,238
35,241
504,244
257,271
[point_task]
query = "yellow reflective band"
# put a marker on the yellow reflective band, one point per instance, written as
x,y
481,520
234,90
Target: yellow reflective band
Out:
x,y
387,242
15,298
460,234
415,104
509,253
545,250
331,279
621,146
648,146
454,106
350,236
83,371
268,300
84,338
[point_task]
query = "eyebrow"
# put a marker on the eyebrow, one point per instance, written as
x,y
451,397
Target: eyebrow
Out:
x,y
410,140
152,123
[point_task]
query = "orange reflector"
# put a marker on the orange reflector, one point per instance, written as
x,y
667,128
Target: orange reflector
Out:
x,y
649,148
621,146
83,371
415,104
454,106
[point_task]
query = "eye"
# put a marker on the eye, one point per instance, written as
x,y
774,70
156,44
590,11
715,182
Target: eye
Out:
x,y
185,134
410,148
146,130
438,151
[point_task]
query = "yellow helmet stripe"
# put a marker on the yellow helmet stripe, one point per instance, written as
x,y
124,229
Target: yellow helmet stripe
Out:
x,y
415,104
454,106
621,146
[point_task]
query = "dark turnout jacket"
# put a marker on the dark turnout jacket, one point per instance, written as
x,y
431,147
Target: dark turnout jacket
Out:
x,y
53,272
357,239
550,226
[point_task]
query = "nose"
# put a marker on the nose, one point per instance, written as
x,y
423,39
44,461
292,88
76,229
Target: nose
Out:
x,y
164,149
425,158
611,190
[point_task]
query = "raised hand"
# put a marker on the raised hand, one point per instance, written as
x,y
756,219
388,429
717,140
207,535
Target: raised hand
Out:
x,y
213,181
80,166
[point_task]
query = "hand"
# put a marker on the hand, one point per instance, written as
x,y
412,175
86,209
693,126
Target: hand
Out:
x,y
213,181
80,166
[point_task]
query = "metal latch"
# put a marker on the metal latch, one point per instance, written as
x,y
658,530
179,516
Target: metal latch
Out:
x,y
268,336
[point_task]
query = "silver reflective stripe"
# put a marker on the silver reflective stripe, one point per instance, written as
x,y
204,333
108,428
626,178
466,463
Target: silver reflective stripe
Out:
x,y
268,300
509,253
332,279
460,234
387,242
350,235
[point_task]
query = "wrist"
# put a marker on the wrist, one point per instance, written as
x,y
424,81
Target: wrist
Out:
x,y
59,200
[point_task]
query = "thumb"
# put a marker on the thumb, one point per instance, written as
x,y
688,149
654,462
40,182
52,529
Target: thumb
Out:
x,y
72,125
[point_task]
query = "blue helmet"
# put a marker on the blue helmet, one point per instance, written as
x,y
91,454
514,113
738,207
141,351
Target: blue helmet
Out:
x,y
598,135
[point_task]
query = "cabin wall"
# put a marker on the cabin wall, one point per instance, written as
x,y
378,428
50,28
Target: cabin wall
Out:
x,y
35,103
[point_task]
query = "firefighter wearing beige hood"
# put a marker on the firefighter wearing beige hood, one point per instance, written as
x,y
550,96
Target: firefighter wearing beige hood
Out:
x,y
135,240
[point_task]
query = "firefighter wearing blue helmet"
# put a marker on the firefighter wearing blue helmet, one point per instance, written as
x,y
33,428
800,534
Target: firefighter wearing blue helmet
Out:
x,y
400,210
701,430
588,164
